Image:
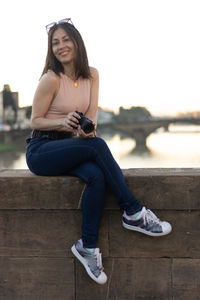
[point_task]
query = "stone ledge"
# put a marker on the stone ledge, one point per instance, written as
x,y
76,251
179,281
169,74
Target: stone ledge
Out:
x,y
165,189
127,172
40,219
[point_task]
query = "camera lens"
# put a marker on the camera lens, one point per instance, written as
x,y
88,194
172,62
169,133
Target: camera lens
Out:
x,y
86,124
88,127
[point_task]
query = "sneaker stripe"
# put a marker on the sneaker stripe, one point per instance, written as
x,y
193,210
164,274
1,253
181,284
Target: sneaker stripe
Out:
x,y
148,224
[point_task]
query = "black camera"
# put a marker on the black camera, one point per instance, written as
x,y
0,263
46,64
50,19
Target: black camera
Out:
x,y
86,124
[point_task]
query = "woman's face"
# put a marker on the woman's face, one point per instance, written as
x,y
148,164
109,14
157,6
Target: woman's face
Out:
x,y
62,46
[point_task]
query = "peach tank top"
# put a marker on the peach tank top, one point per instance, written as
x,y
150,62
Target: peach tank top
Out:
x,y
70,97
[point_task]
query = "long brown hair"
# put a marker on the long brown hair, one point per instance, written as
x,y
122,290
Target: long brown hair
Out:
x,y
81,60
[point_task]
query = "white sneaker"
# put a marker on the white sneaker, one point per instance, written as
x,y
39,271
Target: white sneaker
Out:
x,y
147,223
91,260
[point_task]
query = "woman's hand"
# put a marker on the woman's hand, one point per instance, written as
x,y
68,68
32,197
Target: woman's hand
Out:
x,y
82,134
71,121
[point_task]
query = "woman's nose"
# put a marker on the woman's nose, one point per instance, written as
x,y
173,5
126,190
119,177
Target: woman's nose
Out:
x,y
61,44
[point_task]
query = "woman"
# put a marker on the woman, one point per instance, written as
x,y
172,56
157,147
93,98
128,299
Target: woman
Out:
x,y
60,146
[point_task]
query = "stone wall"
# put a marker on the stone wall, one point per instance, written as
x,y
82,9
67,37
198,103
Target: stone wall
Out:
x,y
40,219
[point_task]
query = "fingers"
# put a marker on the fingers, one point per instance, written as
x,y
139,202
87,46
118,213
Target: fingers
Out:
x,y
84,135
71,121
76,115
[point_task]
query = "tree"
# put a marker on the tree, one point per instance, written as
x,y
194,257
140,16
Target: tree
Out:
x,y
135,113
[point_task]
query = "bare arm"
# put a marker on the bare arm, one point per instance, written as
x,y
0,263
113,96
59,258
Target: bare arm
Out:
x,y
45,92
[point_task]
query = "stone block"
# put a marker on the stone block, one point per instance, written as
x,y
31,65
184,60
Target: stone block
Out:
x,y
28,191
183,241
166,188
37,278
44,233
155,188
186,279
137,279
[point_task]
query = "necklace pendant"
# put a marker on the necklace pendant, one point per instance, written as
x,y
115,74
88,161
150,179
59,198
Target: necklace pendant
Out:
x,y
75,84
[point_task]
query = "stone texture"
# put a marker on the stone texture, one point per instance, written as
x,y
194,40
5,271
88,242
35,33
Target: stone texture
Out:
x,y
186,279
48,233
40,219
183,241
36,192
135,279
37,278
156,188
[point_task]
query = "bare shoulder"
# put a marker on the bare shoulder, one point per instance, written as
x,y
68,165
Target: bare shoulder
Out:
x,y
50,79
94,73
48,85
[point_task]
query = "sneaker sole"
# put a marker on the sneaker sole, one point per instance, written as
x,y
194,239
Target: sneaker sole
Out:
x,y
81,259
134,228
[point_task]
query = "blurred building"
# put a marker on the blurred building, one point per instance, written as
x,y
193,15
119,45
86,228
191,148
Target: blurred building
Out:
x,y
11,115
105,116
8,105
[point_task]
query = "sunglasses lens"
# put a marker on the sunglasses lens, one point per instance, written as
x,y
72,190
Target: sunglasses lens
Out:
x,y
48,27
67,20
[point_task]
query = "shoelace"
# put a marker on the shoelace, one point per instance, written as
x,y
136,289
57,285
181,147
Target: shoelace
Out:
x,y
98,257
150,216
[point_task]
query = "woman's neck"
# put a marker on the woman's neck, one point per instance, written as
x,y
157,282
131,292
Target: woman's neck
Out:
x,y
69,70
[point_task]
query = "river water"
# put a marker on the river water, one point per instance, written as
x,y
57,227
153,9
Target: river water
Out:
x,y
177,148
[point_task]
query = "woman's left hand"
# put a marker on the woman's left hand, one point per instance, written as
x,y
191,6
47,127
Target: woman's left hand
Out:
x,y
84,135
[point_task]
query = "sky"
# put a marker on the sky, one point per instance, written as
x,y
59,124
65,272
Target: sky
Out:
x,y
147,52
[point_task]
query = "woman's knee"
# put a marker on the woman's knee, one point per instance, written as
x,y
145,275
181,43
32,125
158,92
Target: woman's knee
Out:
x,y
100,143
91,173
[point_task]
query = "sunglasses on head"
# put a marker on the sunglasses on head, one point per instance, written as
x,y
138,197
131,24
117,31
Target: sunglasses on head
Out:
x,y
67,20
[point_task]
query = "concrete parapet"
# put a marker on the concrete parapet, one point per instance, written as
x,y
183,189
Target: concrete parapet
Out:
x,y
40,219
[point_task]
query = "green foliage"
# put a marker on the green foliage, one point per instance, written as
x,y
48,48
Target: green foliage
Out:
x,y
135,113
7,147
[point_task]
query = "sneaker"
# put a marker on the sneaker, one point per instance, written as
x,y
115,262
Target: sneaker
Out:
x,y
91,260
147,223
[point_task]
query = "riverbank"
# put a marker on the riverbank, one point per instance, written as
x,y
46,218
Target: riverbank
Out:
x,y
8,147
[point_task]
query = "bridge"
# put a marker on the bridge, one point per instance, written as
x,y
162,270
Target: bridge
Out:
x,y
140,130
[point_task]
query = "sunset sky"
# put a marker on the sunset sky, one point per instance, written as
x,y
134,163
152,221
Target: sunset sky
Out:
x,y
147,51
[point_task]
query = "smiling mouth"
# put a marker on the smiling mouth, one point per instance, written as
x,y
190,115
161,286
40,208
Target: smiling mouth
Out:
x,y
64,53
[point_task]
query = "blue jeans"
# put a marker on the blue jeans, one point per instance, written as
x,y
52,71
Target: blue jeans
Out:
x,y
91,160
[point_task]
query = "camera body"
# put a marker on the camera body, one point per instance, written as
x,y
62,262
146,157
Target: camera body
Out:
x,y
86,124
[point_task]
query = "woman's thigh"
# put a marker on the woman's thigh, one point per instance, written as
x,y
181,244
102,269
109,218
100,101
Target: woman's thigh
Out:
x,y
45,157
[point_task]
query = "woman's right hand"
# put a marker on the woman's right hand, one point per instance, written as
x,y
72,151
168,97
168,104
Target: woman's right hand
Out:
x,y
71,121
